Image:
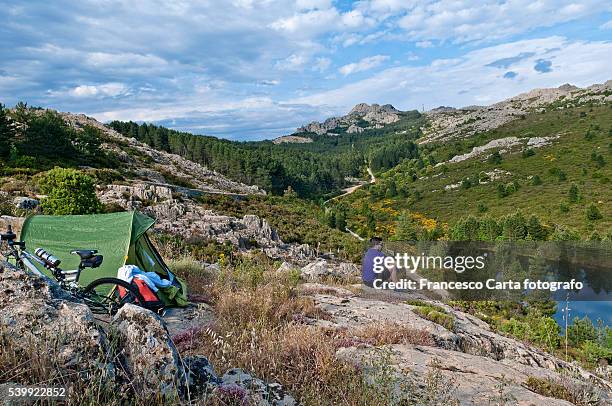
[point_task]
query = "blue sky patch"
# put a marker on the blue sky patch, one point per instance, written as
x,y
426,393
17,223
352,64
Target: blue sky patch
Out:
x,y
543,66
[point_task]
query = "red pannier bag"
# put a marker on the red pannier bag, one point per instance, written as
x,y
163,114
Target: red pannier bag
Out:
x,y
151,300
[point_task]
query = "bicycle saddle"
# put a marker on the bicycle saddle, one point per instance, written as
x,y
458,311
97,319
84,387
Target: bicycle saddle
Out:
x,y
84,254
9,235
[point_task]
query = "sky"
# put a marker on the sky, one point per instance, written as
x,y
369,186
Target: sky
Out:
x,y
257,69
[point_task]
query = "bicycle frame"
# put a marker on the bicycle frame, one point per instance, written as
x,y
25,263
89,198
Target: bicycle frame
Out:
x,y
29,260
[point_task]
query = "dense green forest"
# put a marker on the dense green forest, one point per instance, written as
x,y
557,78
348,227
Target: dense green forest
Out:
x,y
311,169
33,139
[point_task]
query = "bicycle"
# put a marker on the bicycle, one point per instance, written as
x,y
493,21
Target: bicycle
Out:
x,y
102,296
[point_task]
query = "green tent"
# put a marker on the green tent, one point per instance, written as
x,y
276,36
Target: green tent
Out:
x,y
120,237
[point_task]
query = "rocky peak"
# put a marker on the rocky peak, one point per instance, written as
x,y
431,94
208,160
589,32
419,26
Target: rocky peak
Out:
x,y
567,87
363,109
374,114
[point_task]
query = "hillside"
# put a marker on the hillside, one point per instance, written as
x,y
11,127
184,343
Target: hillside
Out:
x,y
112,155
545,153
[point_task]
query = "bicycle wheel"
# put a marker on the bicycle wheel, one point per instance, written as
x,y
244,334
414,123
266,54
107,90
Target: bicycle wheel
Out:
x,y
108,295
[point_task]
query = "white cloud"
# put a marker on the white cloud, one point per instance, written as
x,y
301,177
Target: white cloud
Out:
x,y
105,90
468,80
424,44
321,64
312,4
353,19
367,63
294,62
466,21
272,82
107,59
606,26
307,24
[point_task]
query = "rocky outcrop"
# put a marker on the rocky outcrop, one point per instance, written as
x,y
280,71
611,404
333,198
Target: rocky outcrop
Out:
x,y
478,359
25,203
292,139
235,381
323,268
447,123
134,196
177,213
39,316
132,355
477,379
374,116
503,145
148,355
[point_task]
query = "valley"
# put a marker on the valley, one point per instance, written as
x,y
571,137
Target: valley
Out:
x,y
269,237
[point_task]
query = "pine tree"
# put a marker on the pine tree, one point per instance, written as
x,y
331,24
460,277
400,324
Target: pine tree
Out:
x,y
573,194
6,133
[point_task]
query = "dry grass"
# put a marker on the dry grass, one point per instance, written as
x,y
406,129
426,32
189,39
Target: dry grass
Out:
x,y
263,325
565,389
379,334
265,330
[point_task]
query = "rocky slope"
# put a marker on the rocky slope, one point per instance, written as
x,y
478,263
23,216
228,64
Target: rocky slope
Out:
x,y
159,167
476,359
177,213
447,122
132,356
362,117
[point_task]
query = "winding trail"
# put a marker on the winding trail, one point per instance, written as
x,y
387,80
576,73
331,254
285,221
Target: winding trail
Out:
x,y
354,188
350,190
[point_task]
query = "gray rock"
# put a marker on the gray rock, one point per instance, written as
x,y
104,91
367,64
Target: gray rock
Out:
x,y
477,356
35,314
200,374
374,114
26,203
149,356
255,391
323,268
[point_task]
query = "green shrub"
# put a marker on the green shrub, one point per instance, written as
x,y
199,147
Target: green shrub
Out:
x,y
515,328
536,181
593,352
581,330
577,394
495,158
593,213
433,313
528,152
68,192
573,195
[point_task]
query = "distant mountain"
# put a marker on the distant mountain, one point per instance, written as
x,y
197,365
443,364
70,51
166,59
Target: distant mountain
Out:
x,y
447,122
362,117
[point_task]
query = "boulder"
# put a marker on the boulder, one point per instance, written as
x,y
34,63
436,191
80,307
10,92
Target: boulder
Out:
x,y
36,317
200,374
251,390
323,268
149,355
25,203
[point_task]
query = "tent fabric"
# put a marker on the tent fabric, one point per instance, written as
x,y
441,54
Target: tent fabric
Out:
x,y
120,237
